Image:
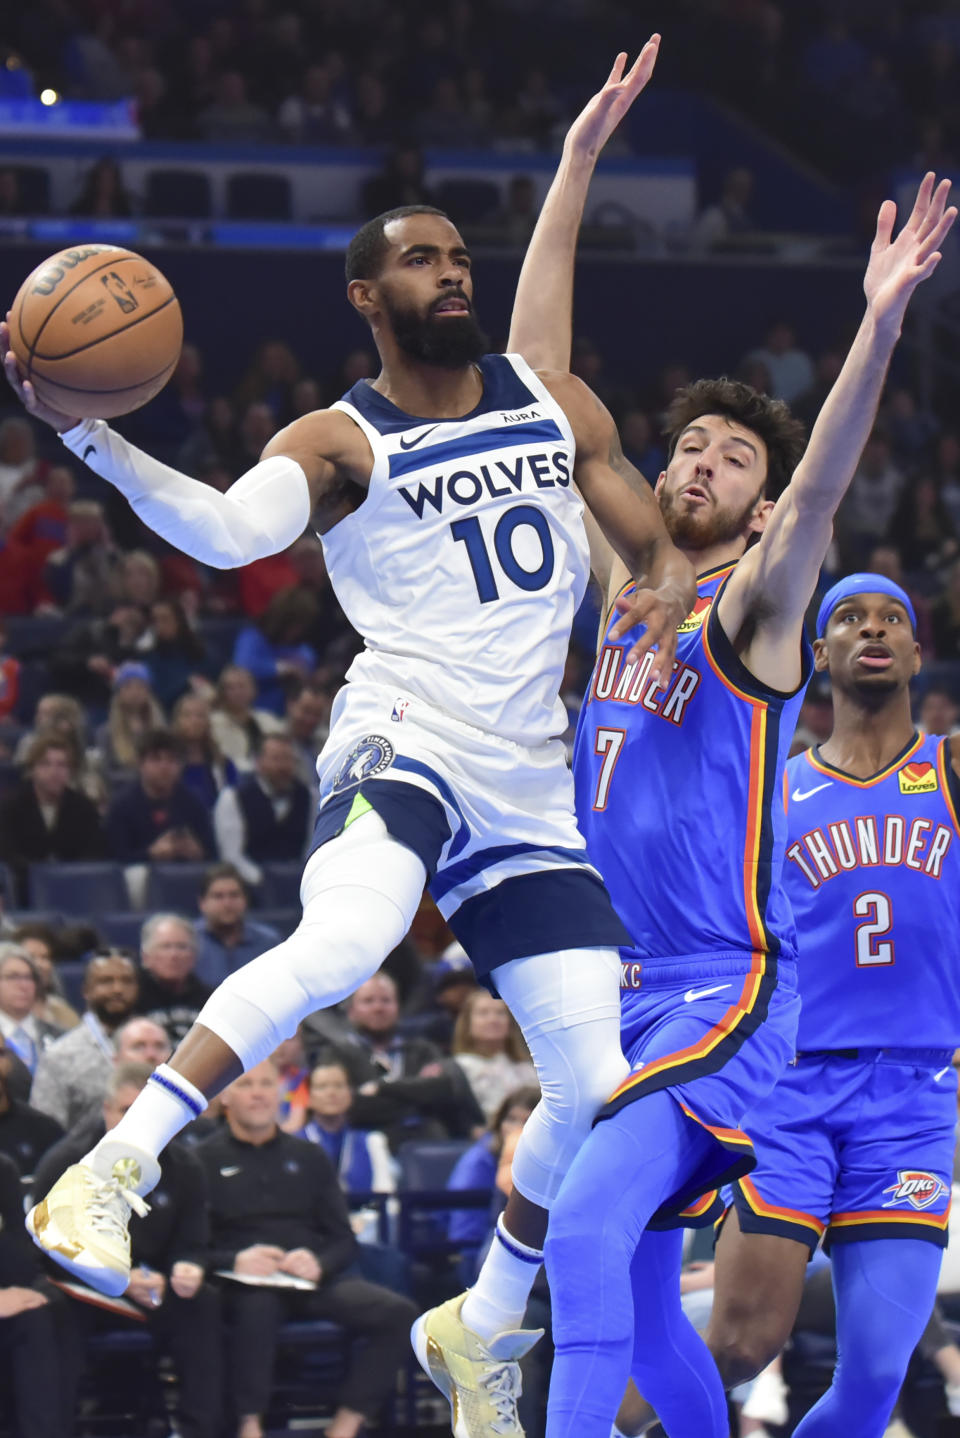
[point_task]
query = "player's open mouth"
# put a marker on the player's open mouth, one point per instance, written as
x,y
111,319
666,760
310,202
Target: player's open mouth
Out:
x,y
875,656
452,307
698,495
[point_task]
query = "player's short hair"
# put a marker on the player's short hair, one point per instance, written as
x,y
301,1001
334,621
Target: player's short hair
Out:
x,y
367,250
784,435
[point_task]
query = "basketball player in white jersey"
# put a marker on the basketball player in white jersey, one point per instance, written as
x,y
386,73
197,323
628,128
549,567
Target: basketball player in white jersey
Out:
x,y
454,537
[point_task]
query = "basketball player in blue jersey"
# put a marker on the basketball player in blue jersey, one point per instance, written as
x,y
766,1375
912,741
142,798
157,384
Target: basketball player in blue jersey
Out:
x,y
855,1143
679,796
454,537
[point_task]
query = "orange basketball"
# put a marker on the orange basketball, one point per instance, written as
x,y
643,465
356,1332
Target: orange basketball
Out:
x,y
97,331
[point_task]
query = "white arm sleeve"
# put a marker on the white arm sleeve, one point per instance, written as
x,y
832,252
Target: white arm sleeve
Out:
x,y
262,513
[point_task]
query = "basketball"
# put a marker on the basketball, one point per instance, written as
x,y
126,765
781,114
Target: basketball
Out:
x,y
97,331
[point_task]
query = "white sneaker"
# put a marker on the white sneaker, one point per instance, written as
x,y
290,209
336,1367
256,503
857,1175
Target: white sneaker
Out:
x,y
83,1221
952,1394
768,1397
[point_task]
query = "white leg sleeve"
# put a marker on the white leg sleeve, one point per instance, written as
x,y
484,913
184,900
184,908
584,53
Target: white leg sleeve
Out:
x,y
568,1007
360,892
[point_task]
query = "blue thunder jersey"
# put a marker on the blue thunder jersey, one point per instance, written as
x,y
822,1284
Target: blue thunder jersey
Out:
x,y
679,795
465,564
873,874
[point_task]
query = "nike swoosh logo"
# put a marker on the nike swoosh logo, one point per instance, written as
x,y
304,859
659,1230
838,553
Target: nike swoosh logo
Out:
x,y
692,994
798,798
228,1172
942,1072
90,449
405,444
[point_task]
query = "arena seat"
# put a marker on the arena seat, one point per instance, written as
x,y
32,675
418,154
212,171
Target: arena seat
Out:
x,y
123,930
34,634
34,186
8,891
81,890
468,201
253,196
70,974
177,194
283,920
174,887
281,886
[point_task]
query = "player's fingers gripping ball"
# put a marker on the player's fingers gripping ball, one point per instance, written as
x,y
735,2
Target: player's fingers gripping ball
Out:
x,y
97,331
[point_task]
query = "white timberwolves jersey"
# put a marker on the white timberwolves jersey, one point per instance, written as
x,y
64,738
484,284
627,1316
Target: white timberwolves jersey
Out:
x,y
465,564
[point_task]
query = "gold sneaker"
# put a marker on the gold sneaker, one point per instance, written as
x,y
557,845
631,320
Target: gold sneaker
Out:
x,y
83,1221
480,1381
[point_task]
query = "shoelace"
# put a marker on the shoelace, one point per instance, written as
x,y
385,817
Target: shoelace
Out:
x,y
503,1385
108,1205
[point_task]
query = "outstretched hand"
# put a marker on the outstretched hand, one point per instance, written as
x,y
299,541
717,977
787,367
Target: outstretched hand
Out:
x,y
602,114
898,265
25,391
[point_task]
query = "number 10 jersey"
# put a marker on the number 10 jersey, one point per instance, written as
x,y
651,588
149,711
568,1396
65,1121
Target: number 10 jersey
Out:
x,y
465,564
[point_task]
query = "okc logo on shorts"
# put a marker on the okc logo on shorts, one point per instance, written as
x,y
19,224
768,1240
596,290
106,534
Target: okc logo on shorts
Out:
x,y
367,759
916,1187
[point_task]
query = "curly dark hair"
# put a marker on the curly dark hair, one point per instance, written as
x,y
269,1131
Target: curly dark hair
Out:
x,y
784,436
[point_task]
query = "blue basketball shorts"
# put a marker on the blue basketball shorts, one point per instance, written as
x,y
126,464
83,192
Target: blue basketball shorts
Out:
x,y
493,822
854,1144
716,1032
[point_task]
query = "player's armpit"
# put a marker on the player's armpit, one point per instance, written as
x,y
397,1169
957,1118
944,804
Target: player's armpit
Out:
x,y
335,456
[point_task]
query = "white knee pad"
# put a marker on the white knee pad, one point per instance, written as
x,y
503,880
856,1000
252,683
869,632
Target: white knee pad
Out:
x,y
360,892
568,1006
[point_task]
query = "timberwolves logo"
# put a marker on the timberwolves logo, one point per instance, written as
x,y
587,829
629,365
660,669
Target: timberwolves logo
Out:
x,y
916,1187
365,761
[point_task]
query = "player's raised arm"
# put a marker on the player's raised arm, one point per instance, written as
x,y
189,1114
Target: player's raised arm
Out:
x,y
541,326
627,513
262,513
770,589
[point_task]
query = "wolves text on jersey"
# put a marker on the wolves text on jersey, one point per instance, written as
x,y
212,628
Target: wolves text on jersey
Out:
x,y
630,684
495,480
870,842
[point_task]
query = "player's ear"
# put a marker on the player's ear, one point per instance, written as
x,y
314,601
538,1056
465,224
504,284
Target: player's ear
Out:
x,y
760,517
821,656
917,658
361,294
661,481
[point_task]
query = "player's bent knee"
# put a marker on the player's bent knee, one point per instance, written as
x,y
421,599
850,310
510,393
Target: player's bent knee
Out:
x,y
743,1350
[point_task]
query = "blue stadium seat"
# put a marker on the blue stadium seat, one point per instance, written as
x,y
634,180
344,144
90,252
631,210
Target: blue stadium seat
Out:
x,y
123,930
8,891
283,920
425,1202
81,890
174,887
177,194
34,634
33,916
218,636
253,196
281,886
428,1163
70,973
10,776
468,201
34,187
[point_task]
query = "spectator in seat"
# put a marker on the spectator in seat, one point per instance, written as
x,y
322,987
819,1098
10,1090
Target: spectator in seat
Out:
x,y
790,368
477,1168
44,819
170,992
232,117
268,817
314,116
275,650
238,726
80,577
103,194
441,994
293,1070
361,1157
27,1035
169,1248
157,817
205,771
39,943
20,466
60,716
489,1048
134,712
277,1211
308,714
173,653
41,517
74,1071
10,669
730,215
227,937
28,1327
404,1086
400,182
945,617
142,1041
939,711
25,1132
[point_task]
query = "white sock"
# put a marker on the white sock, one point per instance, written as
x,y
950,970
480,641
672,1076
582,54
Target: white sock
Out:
x,y
498,1299
166,1105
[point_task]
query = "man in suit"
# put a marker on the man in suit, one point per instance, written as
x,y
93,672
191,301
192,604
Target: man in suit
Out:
x,y
44,818
268,816
24,1033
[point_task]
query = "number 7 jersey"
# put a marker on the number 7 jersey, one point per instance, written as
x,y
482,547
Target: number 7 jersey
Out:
x,y
466,562
873,874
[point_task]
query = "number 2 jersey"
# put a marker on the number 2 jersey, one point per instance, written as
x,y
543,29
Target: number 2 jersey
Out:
x,y
679,795
873,874
465,564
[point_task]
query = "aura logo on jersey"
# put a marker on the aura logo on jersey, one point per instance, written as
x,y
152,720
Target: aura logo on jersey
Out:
x,y
365,761
917,779
916,1187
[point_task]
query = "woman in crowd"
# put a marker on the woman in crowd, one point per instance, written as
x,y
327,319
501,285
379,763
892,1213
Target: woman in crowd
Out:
x,y
61,715
173,653
205,770
236,725
134,709
39,942
361,1157
488,1046
275,648
480,1166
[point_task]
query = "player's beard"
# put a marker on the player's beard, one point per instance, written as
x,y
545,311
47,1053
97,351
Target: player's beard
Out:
x,y
447,343
704,526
